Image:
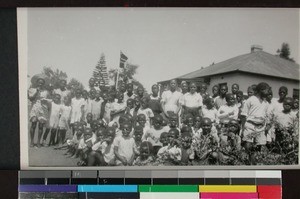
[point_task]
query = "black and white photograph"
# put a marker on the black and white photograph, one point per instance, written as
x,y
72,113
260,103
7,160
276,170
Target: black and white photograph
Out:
x,y
155,87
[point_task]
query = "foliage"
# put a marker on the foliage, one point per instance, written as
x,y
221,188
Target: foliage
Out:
x,y
100,72
74,84
285,52
126,75
54,77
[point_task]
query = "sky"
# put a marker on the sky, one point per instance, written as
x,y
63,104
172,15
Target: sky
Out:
x,y
164,42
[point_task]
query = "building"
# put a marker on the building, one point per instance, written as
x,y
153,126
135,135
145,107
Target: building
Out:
x,y
252,68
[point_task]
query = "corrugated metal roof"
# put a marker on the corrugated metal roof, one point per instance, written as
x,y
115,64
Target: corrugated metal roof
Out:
x,y
258,62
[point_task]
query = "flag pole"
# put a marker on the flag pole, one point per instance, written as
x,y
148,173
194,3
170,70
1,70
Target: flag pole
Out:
x,y
117,80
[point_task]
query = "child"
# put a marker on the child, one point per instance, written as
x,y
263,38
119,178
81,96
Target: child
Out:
x,y
253,118
187,152
221,99
103,150
96,105
129,94
295,107
154,102
192,101
215,91
55,112
251,90
145,155
203,90
84,147
144,109
240,99
173,121
138,134
162,152
141,121
228,111
107,106
189,121
207,143
153,134
89,120
209,110
77,105
129,107
184,87
117,108
173,135
285,121
124,146
234,89
64,120
231,138
73,143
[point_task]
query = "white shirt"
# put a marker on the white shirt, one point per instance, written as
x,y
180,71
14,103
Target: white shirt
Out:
x,y
170,101
255,108
192,100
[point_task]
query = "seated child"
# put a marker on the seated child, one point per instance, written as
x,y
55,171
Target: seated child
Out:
x,y
72,143
89,120
137,135
85,146
124,146
162,152
231,140
103,150
145,155
173,121
153,134
187,152
207,142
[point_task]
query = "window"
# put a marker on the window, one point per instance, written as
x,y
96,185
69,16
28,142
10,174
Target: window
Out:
x,y
296,93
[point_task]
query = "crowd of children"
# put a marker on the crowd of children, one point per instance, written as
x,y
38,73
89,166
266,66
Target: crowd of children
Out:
x,y
178,126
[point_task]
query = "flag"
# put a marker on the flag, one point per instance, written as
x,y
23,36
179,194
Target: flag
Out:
x,y
123,59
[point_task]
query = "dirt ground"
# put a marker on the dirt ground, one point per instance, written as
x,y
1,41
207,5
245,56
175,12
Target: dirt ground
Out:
x,y
48,156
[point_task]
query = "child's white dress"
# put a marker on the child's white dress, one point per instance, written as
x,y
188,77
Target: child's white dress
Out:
x,y
54,115
76,105
65,116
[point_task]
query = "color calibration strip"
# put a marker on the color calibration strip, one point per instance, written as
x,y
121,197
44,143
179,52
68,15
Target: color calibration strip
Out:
x,y
164,184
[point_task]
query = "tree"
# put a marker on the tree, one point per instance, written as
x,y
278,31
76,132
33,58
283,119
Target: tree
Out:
x,y
285,52
54,77
100,72
126,75
74,84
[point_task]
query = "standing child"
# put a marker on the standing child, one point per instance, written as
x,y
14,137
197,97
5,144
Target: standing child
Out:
x,y
251,90
203,90
129,94
144,109
96,105
215,91
234,89
55,113
64,120
192,101
285,121
154,102
124,146
295,107
129,107
77,105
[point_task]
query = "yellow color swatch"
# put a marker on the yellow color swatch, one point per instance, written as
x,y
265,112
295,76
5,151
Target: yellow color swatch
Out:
x,y
227,188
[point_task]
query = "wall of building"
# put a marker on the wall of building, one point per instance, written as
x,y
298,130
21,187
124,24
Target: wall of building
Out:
x,y
244,80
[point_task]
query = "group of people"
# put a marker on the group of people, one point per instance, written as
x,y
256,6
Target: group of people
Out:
x,y
174,126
